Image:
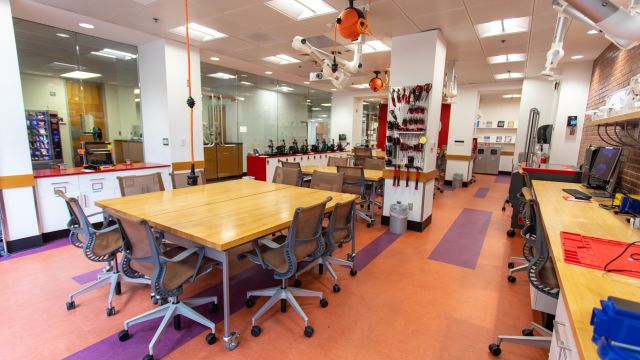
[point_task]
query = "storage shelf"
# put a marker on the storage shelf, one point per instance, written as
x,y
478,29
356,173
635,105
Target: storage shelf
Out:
x,y
498,143
495,127
619,118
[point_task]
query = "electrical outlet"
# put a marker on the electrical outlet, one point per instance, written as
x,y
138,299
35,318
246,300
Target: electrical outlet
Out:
x,y
165,141
410,206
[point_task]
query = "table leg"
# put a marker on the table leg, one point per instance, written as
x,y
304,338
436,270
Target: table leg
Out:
x,y
231,338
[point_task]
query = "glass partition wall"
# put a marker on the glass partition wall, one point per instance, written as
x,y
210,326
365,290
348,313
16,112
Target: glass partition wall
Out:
x,y
253,110
89,84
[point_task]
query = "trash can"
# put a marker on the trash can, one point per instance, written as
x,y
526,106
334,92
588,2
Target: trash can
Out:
x,y
399,215
457,181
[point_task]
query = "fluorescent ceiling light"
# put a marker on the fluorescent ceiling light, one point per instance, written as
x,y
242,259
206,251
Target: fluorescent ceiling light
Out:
x,y
301,9
593,31
80,75
511,96
137,100
576,57
326,104
86,26
323,115
63,35
333,89
503,27
115,54
268,72
198,32
215,58
136,91
281,59
285,88
60,65
221,75
360,86
508,75
316,109
103,54
307,83
374,46
240,98
246,83
498,59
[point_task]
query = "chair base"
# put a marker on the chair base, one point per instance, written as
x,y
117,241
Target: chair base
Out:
x,y
168,312
284,293
543,341
326,262
519,260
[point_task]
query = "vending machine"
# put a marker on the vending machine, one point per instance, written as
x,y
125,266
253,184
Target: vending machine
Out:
x,y
45,143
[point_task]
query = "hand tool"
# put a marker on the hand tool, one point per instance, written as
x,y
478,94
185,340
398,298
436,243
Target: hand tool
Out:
x,y
408,174
418,169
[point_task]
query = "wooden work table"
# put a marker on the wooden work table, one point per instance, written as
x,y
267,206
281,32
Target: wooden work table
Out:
x,y
583,288
369,175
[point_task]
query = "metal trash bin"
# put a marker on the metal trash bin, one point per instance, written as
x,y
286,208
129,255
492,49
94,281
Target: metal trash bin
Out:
x,y
457,181
399,213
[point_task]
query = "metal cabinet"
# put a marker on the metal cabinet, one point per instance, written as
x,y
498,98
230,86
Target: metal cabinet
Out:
x,y
487,160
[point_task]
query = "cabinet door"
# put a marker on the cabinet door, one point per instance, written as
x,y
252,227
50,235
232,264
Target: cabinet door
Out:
x,y
52,210
210,162
227,156
88,199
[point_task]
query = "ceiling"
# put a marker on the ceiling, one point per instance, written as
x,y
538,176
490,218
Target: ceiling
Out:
x,y
256,31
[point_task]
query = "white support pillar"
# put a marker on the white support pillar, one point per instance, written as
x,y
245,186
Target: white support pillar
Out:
x,y
163,89
16,174
418,59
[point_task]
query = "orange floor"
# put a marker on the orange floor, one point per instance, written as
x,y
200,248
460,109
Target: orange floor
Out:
x,y
401,306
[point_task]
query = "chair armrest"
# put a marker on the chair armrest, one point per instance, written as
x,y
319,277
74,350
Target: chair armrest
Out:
x,y
269,243
97,213
183,255
107,229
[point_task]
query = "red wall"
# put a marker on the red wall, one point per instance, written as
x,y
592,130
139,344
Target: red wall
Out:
x,y
382,126
445,114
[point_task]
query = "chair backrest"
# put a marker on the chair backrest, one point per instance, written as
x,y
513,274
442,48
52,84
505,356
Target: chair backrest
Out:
x,y
287,176
140,184
353,181
541,271
136,244
374,164
289,164
179,180
77,215
362,151
337,161
341,225
327,181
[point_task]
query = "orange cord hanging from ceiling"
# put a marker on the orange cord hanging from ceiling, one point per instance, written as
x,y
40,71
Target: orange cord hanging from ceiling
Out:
x,y
192,179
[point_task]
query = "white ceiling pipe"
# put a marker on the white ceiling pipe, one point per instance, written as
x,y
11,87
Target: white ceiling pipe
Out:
x,y
556,53
616,22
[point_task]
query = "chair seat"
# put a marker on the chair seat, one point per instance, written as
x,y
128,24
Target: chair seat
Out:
x,y
106,243
272,257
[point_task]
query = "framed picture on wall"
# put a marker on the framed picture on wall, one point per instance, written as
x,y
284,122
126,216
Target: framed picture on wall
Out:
x,y
488,123
501,124
511,124
486,138
508,139
499,138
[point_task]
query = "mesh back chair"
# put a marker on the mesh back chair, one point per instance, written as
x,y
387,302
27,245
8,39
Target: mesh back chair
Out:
x,y
327,181
354,183
341,230
360,154
337,161
289,164
544,282
179,180
376,189
140,184
288,176
281,255
169,270
528,232
374,164
98,245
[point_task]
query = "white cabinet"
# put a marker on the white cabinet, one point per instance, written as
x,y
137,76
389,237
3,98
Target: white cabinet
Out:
x,y
96,187
506,163
52,210
563,344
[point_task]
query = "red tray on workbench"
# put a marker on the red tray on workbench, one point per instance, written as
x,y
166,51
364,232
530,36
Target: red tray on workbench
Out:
x,y
595,253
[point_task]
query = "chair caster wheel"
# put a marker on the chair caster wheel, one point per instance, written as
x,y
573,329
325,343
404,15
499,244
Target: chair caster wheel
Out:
x,y
250,302
210,338
527,332
511,265
324,303
511,233
336,288
369,225
308,331
111,311
351,257
256,330
283,305
148,357
177,324
297,282
118,289
504,209
123,335
353,272
71,305
154,300
495,349
511,279
213,308
339,245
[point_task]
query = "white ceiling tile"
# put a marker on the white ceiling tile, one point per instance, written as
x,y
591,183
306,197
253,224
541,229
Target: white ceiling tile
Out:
x,y
418,8
482,11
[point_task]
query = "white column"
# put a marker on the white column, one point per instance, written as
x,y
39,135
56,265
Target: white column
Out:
x,y
460,142
163,94
540,94
15,158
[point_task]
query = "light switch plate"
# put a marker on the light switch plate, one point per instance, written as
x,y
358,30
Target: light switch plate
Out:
x,y
165,141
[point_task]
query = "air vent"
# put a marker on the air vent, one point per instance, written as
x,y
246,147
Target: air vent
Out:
x,y
261,37
320,42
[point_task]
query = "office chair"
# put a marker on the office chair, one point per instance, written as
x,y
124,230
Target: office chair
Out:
x,y
376,189
354,183
374,164
169,270
179,180
341,230
98,245
140,184
281,255
337,161
288,176
528,233
289,164
543,280
359,154
327,181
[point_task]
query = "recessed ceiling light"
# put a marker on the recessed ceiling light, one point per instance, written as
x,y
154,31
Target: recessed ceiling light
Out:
x,y
307,83
511,96
136,91
246,83
115,54
301,9
80,75
240,98
503,27
221,75
508,75
327,104
268,72
498,59
61,65
334,89
576,57
593,31
360,86
285,88
86,26
323,115
281,59
137,99
372,46
214,58
198,32
316,109
63,35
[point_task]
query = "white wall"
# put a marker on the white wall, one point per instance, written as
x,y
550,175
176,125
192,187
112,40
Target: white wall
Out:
x,y
346,115
121,113
574,94
499,110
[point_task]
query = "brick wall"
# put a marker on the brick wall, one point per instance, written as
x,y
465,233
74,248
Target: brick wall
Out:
x,y
612,71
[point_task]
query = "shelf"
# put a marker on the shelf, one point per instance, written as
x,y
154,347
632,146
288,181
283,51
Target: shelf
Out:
x,y
497,143
495,127
410,132
619,118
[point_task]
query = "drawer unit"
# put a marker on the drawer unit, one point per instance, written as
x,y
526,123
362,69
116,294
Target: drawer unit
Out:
x,y
52,210
563,344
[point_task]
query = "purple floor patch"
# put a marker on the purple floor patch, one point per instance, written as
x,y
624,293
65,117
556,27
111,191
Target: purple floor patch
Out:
x,y
462,243
481,193
49,245
503,179
87,277
366,255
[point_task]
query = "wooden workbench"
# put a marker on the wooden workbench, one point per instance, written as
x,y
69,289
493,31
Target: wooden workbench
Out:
x,y
583,288
369,175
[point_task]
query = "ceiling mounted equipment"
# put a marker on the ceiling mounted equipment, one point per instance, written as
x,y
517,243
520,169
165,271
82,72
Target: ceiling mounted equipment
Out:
x,y
555,54
376,84
450,90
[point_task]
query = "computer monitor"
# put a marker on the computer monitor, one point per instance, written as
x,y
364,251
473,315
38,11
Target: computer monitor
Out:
x,y
604,165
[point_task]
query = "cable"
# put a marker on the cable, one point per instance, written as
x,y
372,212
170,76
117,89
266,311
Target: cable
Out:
x,y
192,179
634,256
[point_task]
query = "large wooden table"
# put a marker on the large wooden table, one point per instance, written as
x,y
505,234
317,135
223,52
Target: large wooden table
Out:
x,y
221,217
369,175
582,288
